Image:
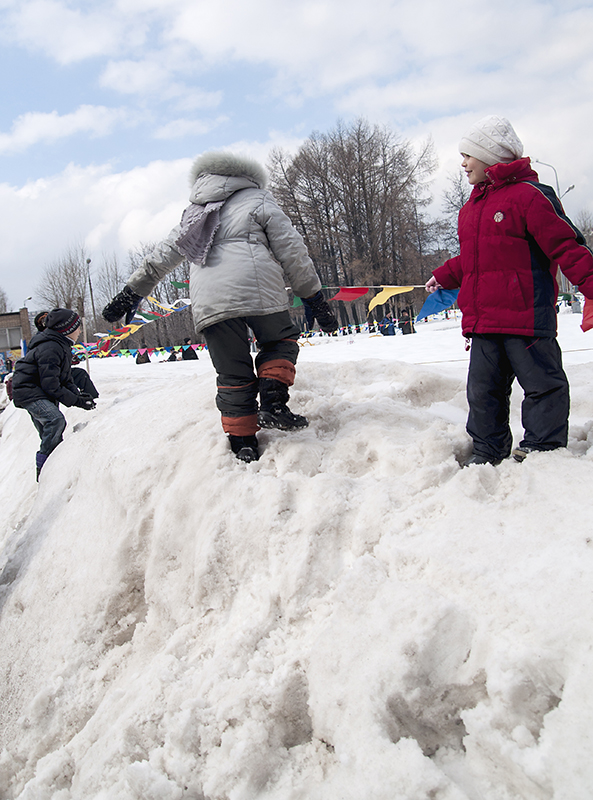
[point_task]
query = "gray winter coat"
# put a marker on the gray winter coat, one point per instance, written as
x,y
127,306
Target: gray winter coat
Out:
x,y
255,253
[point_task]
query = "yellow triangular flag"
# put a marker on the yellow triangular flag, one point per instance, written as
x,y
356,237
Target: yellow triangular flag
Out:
x,y
385,293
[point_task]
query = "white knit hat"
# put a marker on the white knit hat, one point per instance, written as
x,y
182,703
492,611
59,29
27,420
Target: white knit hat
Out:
x,y
492,139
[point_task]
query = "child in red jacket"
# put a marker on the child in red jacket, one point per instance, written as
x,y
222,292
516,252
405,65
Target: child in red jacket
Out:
x,y
513,235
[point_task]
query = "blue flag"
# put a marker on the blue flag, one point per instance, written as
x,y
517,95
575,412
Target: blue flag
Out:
x,y
438,301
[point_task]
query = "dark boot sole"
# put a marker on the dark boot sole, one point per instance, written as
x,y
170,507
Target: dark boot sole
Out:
x,y
266,419
247,454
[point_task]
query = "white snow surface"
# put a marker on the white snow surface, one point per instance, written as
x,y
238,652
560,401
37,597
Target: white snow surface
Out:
x,y
353,617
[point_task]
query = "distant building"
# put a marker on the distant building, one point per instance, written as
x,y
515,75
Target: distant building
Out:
x,y
14,329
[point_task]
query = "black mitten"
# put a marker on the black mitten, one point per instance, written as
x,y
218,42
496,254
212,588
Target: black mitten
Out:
x,y
126,302
85,401
320,310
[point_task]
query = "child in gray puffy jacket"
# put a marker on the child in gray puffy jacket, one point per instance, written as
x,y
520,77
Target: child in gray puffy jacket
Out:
x,y
243,250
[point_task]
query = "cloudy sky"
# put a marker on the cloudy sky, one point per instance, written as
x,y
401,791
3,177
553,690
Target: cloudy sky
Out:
x,y
106,102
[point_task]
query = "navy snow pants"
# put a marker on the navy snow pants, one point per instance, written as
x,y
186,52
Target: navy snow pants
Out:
x,y
495,361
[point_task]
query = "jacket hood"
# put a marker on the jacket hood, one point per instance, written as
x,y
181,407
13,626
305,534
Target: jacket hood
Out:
x,y
214,188
229,165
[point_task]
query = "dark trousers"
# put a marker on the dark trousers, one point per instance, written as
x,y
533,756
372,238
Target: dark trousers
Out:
x,y
83,380
237,379
495,361
50,424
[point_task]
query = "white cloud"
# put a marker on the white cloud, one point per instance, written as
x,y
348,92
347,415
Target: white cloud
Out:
x,y
155,79
70,34
179,128
107,211
313,45
318,45
145,76
32,128
425,58
192,98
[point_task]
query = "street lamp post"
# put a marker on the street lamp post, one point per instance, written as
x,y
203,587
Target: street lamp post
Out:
x,y
559,193
88,266
555,173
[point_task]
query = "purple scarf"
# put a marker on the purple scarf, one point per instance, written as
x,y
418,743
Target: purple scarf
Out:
x,y
198,227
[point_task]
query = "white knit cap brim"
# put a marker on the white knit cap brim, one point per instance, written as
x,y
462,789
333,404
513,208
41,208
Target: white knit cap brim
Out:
x,y
492,140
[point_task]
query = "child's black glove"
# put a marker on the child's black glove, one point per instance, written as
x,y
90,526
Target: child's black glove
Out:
x,y
319,310
126,302
85,401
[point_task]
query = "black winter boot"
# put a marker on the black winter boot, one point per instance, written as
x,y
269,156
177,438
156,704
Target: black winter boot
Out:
x,y
274,413
245,447
477,459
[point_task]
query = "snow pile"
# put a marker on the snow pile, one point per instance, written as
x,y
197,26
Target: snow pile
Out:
x,y
353,617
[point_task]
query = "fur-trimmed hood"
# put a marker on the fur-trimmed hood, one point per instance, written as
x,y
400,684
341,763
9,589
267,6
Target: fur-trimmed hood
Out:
x,y
230,165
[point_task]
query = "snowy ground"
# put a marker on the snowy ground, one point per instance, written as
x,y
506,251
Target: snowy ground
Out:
x,y
353,617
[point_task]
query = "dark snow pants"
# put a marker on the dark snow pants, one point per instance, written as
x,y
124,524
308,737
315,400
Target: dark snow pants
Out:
x,y
83,380
495,361
238,384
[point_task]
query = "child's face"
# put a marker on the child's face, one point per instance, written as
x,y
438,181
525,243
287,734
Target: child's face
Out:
x,y
474,169
75,334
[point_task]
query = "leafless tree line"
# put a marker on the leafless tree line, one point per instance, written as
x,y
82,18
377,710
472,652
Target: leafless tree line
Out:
x,y
358,195
73,281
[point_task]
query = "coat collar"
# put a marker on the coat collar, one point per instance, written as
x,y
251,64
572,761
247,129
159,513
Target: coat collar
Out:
x,y
501,174
49,335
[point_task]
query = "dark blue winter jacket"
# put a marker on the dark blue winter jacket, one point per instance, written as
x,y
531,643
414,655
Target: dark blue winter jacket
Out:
x,y
44,373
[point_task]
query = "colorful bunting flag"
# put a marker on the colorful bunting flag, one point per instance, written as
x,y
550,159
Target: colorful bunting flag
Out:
x,y
349,293
173,308
387,292
438,301
140,318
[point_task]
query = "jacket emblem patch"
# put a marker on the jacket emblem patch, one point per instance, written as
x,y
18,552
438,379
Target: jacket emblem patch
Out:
x,y
499,216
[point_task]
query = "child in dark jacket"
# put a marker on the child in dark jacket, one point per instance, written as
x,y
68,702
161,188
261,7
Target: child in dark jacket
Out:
x,y
43,379
513,235
80,376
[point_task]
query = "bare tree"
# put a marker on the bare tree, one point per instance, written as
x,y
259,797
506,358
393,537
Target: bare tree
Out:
x,y
3,302
109,280
454,198
168,330
357,195
64,283
584,222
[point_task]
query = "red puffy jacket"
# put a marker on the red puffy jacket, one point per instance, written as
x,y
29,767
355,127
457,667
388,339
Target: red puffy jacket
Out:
x,y
514,234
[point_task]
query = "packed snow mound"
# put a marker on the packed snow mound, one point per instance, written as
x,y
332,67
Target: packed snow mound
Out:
x,y
353,617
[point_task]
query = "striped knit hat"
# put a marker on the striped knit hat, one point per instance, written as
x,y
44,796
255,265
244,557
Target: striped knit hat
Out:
x,y
62,320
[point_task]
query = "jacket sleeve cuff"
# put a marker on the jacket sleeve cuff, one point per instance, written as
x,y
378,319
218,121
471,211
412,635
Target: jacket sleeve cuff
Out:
x,y
446,277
